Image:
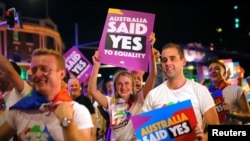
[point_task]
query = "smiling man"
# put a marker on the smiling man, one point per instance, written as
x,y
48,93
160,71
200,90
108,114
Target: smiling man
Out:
x,y
48,108
234,98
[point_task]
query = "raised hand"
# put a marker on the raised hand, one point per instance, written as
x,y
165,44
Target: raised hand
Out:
x,y
151,38
96,59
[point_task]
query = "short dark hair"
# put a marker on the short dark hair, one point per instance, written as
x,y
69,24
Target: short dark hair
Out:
x,y
176,46
217,62
16,67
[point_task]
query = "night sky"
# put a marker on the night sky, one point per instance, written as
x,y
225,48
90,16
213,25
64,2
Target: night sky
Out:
x,y
175,21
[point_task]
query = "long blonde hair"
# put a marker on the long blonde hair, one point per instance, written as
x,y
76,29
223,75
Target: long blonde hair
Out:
x,y
116,96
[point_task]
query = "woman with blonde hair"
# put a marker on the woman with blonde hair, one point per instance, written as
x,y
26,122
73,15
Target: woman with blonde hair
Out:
x,y
125,102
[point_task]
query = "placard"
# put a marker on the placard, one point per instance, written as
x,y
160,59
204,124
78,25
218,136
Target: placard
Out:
x,y
124,39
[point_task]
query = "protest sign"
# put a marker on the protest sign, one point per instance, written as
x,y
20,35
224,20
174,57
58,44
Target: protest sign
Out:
x,y
77,64
124,39
174,122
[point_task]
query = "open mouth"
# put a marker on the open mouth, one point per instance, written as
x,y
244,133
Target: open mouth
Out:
x,y
40,82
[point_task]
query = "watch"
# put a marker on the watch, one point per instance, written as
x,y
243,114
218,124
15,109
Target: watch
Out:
x,y
65,122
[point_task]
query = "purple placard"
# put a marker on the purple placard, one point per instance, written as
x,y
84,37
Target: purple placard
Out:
x,y
78,64
124,39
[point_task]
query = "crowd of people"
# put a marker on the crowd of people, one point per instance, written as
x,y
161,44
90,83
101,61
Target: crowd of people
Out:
x,y
52,109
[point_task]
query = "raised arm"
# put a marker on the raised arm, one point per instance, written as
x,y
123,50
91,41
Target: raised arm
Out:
x,y
92,86
149,84
6,132
7,71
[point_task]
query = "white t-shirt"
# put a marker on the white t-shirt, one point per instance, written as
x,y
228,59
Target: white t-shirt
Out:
x,y
11,97
37,125
232,94
120,118
199,95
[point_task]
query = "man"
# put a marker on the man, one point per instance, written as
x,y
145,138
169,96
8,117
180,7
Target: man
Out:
x,y
234,98
178,88
12,87
47,113
74,90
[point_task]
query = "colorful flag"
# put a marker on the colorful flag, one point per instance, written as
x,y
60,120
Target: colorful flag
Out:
x,y
34,100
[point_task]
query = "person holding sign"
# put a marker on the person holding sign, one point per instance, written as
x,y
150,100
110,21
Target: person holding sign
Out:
x,y
47,112
233,97
125,102
138,76
178,88
12,87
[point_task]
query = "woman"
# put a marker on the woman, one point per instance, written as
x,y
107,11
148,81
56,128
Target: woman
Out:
x,y
125,102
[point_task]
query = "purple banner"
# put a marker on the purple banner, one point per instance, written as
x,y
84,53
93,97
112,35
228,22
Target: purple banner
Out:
x,y
77,64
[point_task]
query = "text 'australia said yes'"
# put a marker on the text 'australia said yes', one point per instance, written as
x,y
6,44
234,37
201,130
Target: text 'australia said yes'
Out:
x,y
175,126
